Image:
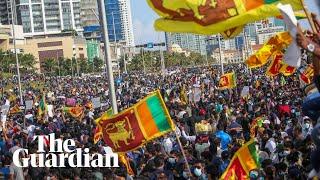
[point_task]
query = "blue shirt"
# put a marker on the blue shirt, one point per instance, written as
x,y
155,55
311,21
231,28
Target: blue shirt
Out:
x,y
225,139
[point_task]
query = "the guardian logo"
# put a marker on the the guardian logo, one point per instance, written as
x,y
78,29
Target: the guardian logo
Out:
x,y
62,153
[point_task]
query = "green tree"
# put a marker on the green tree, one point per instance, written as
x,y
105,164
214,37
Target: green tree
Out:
x,y
50,66
27,61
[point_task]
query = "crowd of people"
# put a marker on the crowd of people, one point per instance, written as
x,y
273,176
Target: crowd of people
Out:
x,y
287,140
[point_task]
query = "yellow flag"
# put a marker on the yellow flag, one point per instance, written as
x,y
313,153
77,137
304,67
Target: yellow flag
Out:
x,y
276,43
213,16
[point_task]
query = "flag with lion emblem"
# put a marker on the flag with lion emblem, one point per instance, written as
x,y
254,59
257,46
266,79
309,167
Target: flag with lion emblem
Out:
x,y
214,16
227,81
130,129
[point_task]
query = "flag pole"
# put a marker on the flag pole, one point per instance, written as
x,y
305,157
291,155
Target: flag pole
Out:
x,y
103,22
306,11
220,54
183,154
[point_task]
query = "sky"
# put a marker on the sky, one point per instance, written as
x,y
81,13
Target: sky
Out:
x,y
143,17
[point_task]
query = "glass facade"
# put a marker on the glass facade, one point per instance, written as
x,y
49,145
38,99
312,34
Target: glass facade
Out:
x,y
24,17
37,18
66,15
114,20
52,15
77,14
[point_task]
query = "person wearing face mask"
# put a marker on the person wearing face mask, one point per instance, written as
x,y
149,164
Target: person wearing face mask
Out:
x,y
307,127
198,171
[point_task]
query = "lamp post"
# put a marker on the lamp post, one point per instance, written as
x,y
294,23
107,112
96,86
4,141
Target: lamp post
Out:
x,y
103,22
15,48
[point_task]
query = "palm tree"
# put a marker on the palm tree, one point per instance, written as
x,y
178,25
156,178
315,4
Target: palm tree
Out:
x,y
49,66
27,61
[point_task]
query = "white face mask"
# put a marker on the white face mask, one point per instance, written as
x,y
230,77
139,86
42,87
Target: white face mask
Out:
x,y
307,125
197,172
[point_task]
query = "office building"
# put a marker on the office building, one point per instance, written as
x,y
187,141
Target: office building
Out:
x,y
40,17
119,21
187,42
89,13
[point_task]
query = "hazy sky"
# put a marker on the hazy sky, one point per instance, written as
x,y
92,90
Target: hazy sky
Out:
x,y
143,18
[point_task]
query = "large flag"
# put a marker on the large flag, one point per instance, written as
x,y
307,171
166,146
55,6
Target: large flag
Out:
x,y
75,112
130,129
278,66
287,70
275,66
214,16
243,161
227,81
274,44
307,75
98,131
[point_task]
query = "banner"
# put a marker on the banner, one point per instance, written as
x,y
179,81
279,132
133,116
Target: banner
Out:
x,y
96,102
29,104
130,129
214,16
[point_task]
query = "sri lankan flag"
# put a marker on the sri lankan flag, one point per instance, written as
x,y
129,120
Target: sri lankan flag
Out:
x,y
130,129
307,75
227,81
275,44
243,161
254,124
214,16
98,131
75,112
278,66
42,106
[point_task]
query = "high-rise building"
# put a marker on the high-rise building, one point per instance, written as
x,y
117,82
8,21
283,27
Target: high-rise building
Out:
x,y
119,21
40,17
89,13
188,42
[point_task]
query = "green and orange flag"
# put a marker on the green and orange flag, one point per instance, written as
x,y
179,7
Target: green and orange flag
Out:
x,y
214,16
244,160
130,129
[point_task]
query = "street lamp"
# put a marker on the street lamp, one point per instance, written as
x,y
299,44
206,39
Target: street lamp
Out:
x,y
15,48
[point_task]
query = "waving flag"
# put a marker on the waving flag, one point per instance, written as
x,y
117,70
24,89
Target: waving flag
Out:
x,y
278,66
275,66
75,112
276,43
98,131
130,129
287,70
42,106
243,161
307,75
227,81
213,16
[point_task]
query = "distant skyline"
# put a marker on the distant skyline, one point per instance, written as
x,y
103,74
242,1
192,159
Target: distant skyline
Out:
x,y
143,18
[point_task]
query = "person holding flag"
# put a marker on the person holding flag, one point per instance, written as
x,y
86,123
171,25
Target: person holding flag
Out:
x,y
311,105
